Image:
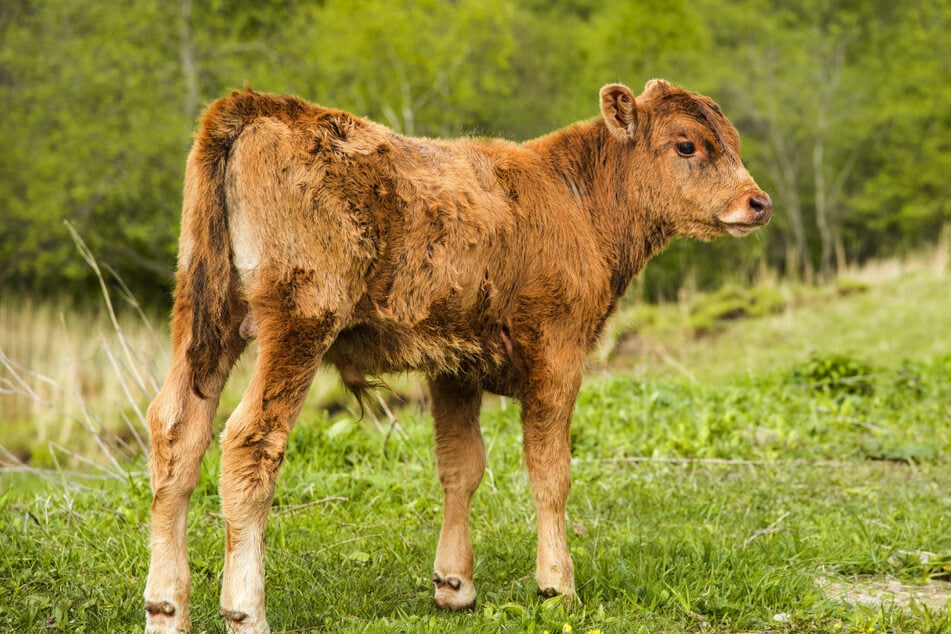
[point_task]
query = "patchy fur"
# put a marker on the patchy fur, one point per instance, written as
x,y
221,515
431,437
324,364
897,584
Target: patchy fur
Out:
x,y
485,264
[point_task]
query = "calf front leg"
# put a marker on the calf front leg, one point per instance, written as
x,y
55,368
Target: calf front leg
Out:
x,y
460,463
546,419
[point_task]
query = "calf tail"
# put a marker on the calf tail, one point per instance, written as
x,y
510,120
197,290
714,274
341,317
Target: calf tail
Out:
x,y
207,297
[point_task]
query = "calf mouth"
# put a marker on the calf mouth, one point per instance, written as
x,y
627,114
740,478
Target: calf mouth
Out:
x,y
741,229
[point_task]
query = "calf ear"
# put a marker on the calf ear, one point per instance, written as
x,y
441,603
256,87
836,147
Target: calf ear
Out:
x,y
619,110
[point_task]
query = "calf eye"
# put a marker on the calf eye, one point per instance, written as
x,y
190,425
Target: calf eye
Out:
x,y
686,148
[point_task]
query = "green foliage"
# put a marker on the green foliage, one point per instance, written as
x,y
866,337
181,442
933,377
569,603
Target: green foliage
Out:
x,y
900,193
773,499
99,101
757,501
732,302
93,133
836,373
847,286
830,407
427,68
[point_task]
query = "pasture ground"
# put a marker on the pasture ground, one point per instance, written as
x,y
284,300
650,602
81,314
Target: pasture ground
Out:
x,y
783,473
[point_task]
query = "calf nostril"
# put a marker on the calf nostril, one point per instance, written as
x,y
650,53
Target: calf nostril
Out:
x,y
760,204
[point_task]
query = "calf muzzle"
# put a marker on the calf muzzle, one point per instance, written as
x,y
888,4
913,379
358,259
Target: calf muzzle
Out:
x,y
746,213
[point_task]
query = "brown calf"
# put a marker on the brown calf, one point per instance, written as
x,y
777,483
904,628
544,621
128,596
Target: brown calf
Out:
x,y
485,264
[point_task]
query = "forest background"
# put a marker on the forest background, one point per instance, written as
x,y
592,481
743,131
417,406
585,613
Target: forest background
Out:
x,y
843,108
760,457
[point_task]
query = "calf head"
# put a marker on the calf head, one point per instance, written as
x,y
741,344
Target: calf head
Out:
x,y
685,161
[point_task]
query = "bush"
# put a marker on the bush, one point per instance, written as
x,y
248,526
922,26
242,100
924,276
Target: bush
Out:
x,y
845,286
733,302
835,373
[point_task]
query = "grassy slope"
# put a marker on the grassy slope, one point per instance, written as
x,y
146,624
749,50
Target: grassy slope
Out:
x,y
907,316
724,542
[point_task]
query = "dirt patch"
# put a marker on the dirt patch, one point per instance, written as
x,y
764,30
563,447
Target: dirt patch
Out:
x,y
872,591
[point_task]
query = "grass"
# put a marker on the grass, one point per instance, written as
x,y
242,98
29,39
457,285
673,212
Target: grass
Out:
x,y
783,473
64,372
883,315
659,546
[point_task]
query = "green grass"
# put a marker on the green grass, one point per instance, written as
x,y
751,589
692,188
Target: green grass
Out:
x,y
758,479
903,317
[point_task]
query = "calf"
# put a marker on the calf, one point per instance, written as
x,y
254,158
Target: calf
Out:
x,y
485,264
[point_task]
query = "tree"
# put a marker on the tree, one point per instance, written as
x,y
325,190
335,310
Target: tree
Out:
x,y
824,85
902,194
87,139
842,108
427,67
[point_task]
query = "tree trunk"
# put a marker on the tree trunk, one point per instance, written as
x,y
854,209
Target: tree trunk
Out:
x,y
830,68
784,175
823,222
187,57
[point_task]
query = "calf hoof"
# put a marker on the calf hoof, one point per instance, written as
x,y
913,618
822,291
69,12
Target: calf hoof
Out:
x,y
454,593
568,599
237,622
161,617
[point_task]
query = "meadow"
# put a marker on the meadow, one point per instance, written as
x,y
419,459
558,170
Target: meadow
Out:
x,y
763,459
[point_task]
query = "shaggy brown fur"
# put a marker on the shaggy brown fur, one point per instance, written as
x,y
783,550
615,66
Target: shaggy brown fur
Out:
x,y
487,265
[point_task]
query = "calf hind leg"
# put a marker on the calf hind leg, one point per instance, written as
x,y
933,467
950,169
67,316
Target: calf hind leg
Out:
x,y
292,341
180,430
460,463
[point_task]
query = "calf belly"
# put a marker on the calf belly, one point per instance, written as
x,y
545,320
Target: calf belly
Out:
x,y
375,349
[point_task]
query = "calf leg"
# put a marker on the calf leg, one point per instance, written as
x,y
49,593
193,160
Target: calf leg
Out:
x,y
546,418
180,430
460,463
292,340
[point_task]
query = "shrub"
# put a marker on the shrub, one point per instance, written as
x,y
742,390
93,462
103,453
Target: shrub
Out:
x,y
845,286
835,373
733,302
